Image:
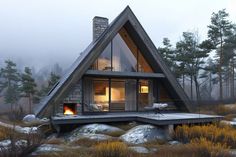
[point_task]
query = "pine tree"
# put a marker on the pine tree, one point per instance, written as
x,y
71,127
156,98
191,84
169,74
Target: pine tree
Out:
x,y
229,60
168,54
28,86
10,83
193,55
184,48
51,82
219,29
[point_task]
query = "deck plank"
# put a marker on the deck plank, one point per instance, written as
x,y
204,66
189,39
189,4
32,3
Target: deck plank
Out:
x,y
157,119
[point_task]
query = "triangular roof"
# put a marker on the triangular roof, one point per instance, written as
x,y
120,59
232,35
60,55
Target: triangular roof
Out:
x,y
88,56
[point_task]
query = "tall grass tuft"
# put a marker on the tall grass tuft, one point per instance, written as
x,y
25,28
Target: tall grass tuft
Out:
x,y
111,149
224,135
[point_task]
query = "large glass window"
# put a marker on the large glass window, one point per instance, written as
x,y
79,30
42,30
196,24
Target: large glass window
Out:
x,y
117,95
145,94
124,58
96,95
142,64
130,95
104,60
109,94
122,54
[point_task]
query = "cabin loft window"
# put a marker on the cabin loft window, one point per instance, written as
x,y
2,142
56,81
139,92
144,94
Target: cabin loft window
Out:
x,y
103,62
69,108
123,55
124,58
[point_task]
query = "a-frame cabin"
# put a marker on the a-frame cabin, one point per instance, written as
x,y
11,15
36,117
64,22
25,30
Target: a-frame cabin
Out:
x,y
120,71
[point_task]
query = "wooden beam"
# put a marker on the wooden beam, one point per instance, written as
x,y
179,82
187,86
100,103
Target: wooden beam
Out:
x,y
123,74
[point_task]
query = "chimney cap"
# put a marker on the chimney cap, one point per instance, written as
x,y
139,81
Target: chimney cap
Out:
x,y
100,17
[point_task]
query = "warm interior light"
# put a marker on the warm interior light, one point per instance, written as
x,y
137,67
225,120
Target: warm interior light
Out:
x,y
68,111
144,89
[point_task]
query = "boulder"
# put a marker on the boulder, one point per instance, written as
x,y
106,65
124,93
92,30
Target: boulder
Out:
x,y
21,143
232,123
96,128
5,143
44,120
143,133
174,142
95,132
30,118
26,130
139,149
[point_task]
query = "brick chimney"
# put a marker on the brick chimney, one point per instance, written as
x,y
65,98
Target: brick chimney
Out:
x,y
99,26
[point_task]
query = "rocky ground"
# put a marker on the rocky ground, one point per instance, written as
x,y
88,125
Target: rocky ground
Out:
x,y
136,138
139,138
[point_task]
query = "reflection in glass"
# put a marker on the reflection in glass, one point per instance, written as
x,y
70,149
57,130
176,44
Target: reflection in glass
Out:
x,y
130,95
117,95
123,55
96,95
124,58
143,66
104,60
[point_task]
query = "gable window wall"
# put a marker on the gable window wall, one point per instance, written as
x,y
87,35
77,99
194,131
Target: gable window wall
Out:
x,y
122,55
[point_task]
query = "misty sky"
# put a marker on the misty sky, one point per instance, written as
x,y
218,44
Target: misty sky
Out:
x,y
42,32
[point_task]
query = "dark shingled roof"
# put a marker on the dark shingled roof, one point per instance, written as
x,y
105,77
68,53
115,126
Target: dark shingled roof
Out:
x,y
128,20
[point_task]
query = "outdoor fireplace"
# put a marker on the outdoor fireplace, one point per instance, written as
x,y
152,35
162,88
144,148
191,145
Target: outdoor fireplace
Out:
x,y
69,108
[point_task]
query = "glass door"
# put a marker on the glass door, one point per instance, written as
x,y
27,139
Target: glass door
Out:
x,y
117,95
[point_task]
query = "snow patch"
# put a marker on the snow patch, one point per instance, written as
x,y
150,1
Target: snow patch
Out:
x,y
5,143
45,148
96,137
30,118
174,142
26,130
96,128
21,143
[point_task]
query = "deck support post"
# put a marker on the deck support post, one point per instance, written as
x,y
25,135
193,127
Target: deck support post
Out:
x,y
169,130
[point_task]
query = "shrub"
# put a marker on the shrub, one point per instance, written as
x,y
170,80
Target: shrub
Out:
x,y
21,144
216,134
229,117
196,148
80,152
225,109
85,142
56,141
111,149
3,133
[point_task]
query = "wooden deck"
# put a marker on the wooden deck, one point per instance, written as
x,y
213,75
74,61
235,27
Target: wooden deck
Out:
x,y
151,118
